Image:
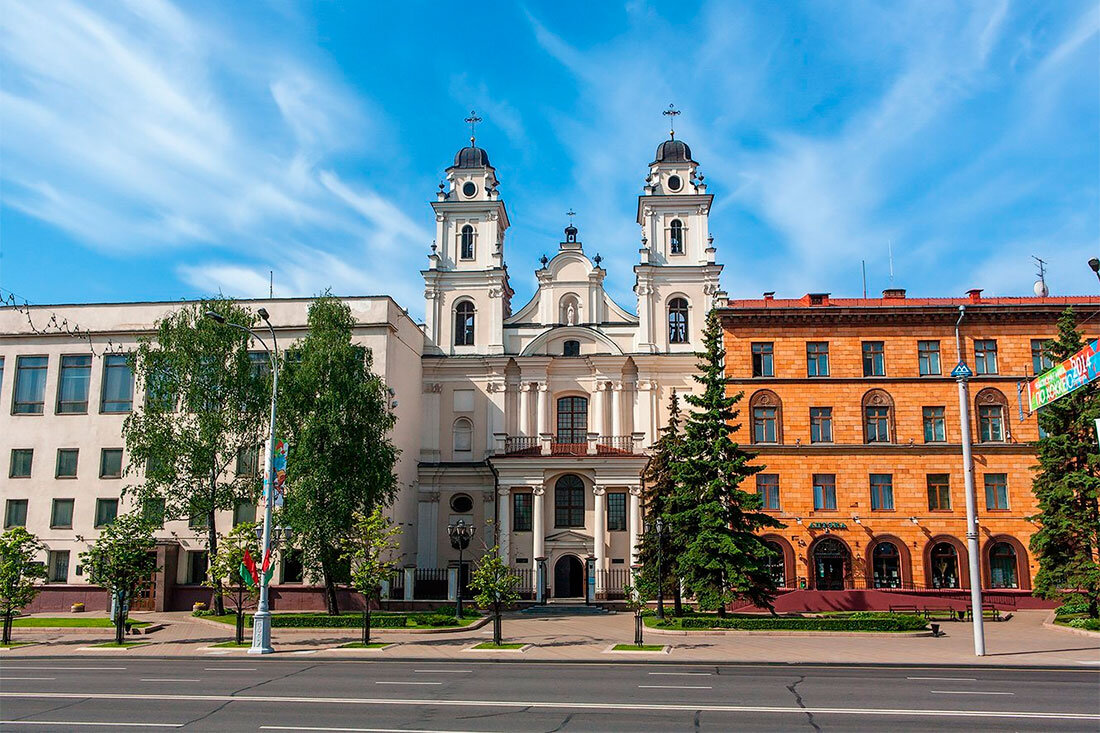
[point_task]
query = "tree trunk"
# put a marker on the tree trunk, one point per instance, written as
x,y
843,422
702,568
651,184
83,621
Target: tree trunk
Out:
x,y
496,625
218,603
7,627
677,599
331,601
366,622
120,618
240,625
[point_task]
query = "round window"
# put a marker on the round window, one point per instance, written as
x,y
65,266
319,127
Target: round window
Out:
x,y
461,504
674,183
469,188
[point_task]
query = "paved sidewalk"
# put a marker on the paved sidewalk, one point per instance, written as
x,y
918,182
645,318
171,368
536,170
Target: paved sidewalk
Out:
x,y
1020,641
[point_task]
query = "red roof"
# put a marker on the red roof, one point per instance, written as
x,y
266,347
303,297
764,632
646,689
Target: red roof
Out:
x,y
823,300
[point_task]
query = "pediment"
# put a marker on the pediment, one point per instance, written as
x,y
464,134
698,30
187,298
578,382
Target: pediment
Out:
x,y
569,538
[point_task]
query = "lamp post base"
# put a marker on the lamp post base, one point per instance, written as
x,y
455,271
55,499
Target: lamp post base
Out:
x,y
261,633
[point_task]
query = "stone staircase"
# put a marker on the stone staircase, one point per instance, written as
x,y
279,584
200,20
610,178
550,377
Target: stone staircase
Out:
x,y
564,607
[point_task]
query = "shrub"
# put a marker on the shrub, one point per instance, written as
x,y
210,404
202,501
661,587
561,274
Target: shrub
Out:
x,y
1074,604
344,621
897,622
1091,624
434,619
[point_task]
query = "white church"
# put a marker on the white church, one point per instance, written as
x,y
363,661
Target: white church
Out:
x,y
529,421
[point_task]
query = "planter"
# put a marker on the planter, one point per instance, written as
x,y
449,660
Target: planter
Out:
x,y
77,608
198,606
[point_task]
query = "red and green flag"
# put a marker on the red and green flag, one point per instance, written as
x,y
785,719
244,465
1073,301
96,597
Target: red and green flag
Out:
x,y
269,567
248,570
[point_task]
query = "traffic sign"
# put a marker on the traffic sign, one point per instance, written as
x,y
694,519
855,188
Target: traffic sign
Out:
x,y
962,371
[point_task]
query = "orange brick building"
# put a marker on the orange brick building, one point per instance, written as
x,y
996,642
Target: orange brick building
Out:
x,y
851,408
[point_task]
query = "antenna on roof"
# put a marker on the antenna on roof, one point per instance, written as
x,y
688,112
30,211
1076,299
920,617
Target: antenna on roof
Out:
x,y
271,284
864,263
1040,287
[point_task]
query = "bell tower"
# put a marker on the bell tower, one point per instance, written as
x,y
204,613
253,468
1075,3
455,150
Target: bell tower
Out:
x,y
677,277
466,284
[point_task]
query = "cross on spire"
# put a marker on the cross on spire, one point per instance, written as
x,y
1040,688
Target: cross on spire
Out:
x,y
472,121
671,113
570,214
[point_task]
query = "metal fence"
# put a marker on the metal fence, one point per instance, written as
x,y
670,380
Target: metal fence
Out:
x,y
613,583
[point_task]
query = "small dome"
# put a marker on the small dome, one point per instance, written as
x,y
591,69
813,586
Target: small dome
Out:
x,y
673,151
570,233
471,157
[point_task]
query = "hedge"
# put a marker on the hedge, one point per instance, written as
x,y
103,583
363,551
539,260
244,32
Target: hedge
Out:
x,y
343,621
899,622
1074,604
1090,624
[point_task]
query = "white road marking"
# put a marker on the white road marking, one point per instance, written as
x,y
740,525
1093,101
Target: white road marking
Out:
x,y
364,730
305,651
1088,661
675,687
398,682
88,723
443,671
5,678
945,679
169,679
683,674
968,692
63,669
229,669
269,700
216,654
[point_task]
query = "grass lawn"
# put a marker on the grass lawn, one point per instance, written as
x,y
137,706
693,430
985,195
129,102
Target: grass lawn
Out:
x,y
361,645
879,622
506,645
636,648
15,644
234,645
1078,621
231,620
67,622
123,645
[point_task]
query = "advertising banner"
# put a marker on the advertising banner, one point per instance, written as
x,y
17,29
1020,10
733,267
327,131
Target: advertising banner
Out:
x,y
1076,371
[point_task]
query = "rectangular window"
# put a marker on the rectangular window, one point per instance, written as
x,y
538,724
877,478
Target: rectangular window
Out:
x,y
293,569
877,424
935,430
66,462
928,357
105,511
996,491
939,492
824,491
259,364
991,423
1040,359
72,386
152,511
196,567
15,513
882,492
817,359
767,486
763,424
61,514
21,460
58,566
244,513
874,361
616,512
521,512
763,364
30,385
118,384
110,463
985,356
197,521
248,461
821,425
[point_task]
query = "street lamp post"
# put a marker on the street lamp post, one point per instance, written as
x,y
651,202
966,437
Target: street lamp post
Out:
x,y
1094,263
261,622
460,534
659,525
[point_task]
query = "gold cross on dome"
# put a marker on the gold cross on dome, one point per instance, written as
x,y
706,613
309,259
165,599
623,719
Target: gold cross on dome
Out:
x,y
671,113
472,121
570,214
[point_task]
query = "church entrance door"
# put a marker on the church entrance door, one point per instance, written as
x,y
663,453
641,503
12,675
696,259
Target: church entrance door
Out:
x,y
568,577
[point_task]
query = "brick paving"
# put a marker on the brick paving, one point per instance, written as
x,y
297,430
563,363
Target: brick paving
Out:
x,y
1023,640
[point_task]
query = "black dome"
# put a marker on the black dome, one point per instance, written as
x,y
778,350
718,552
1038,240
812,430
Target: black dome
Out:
x,y
673,151
471,157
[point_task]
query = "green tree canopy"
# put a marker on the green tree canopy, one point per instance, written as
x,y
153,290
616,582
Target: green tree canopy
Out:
x,y
206,403
122,559
714,519
20,573
370,549
659,497
496,586
337,420
225,571
1067,484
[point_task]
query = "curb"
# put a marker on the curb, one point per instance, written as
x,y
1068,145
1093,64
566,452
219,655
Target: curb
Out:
x,y
1049,624
350,629
741,632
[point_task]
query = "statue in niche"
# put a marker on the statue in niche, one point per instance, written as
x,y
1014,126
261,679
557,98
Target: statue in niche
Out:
x,y
570,315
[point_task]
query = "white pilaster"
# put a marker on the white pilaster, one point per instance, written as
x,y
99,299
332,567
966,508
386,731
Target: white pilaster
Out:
x,y
600,518
538,530
525,409
504,524
617,409
598,409
634,523
544,408
427,521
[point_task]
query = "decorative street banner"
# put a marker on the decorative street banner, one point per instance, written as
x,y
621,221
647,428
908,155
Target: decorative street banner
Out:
x,y
278,463
1074,372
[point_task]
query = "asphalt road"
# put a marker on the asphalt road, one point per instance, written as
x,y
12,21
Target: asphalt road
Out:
x,y
248,694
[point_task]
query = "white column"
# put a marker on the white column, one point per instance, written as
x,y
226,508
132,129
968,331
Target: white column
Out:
x,y
600,549
616,409
538,543
544,408
427,521
598,411
504,524
634,523
524,427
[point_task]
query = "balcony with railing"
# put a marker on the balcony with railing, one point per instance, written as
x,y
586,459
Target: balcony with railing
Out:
x,y
549,444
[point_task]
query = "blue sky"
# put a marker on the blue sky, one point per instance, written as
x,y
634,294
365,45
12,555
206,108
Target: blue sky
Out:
x,y
154,150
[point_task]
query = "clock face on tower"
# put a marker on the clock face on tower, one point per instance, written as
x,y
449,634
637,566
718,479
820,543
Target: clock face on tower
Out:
x,y
469,188
674,183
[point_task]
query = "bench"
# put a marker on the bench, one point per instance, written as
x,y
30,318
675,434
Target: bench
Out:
x,y
905,609
936,611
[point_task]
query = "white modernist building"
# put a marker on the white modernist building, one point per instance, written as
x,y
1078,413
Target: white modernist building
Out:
x,y
530,423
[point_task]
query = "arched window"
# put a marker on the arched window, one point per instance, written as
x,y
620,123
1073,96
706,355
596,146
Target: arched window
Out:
x,y
1002,566
464,323
944,559
569,501
467,250
572,420
992,413
571,348
463,432
678,321
776,565
676,237
767,417
878,417
886,565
